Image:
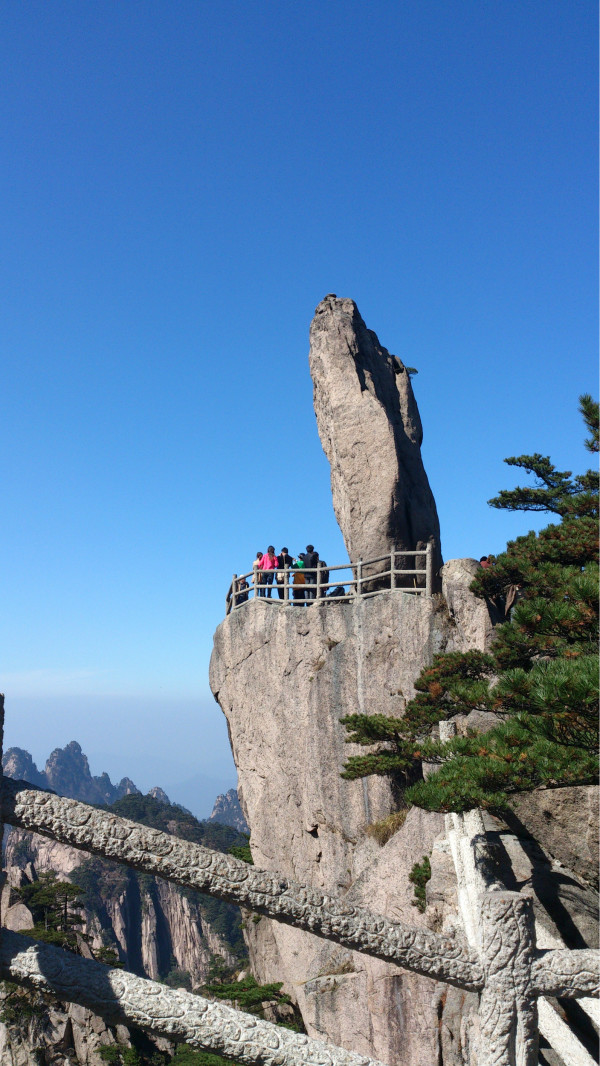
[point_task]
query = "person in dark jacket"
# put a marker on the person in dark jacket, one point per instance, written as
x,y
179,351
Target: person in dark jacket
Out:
x,y
241,594
284,562
310,558
324,577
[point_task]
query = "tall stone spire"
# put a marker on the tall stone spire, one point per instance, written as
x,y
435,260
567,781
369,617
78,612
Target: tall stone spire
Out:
x,y
371,433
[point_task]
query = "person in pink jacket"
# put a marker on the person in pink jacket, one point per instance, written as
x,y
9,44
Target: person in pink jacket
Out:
x,y
268,564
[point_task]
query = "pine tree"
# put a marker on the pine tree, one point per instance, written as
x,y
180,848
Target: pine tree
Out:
x,y
540,679
54,905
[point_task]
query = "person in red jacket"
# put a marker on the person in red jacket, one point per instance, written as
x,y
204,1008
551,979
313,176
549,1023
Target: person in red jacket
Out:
x,y
268,564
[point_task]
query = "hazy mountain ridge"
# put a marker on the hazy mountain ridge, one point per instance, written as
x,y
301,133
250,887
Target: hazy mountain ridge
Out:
x,y
67,772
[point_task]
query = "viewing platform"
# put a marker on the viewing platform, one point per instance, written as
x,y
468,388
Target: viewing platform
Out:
x,y
306,586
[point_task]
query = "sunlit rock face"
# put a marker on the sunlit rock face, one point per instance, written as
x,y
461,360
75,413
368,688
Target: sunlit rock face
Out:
x,y
284,677
371,433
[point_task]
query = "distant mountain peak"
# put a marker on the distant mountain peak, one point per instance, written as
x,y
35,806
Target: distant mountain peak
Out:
x,y
227,810
67,772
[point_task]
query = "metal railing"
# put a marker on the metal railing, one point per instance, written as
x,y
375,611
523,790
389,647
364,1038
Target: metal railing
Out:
x,y
305,586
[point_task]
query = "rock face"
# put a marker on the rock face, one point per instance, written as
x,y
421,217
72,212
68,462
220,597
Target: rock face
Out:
x,y
283,678
18,764
371,433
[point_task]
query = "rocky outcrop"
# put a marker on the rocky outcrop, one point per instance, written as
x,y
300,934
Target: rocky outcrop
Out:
x,y
371,433
283,679
564,822
18,763
227,811
61,1034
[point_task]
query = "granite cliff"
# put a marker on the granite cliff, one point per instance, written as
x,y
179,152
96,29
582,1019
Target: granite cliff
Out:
x,y
284,676
371,432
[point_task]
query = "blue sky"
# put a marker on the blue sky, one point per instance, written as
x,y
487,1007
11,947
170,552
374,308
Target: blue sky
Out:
x,y
181,184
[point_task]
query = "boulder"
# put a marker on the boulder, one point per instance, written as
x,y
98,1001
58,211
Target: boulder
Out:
x,y
371,433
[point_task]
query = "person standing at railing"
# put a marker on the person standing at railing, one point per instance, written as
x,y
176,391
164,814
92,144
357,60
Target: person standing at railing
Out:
x,y
257,574
241,593
299,581
310,558
284,562
324,577
268,565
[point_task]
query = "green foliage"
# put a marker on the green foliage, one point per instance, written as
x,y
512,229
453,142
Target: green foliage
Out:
x,y
188,1056
19,1005
556,490
109,957
247,995
110,1053
419,876
177,978
455,683
540,679
172,819
242,851
53,905
121,1056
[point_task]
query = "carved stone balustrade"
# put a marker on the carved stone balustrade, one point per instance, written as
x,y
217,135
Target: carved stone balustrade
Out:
x,y
508,970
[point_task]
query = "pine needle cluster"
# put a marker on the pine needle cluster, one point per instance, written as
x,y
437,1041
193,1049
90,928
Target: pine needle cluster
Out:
x,y
538,684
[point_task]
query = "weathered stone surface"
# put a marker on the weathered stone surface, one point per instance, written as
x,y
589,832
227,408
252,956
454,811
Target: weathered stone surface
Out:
x,y
18,917
283,679
67,772
474,619
227,811
200,1022
371,433
231,879
565,822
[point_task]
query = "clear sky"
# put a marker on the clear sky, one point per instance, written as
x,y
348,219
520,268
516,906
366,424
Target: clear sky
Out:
x,y
181,184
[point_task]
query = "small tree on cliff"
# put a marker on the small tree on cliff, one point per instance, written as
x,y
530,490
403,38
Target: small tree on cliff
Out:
x,y
540,679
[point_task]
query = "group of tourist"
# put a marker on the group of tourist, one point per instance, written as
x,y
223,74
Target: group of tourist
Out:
x,y
269,568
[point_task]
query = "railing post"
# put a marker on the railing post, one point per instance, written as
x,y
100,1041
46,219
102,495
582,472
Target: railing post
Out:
x,y
359,578
393,569
508,1007
233,592
286,585
428,569
318,583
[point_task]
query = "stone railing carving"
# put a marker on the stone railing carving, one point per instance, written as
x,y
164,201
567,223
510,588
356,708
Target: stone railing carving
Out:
x,y
556,972
507,968
194,866
122,997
